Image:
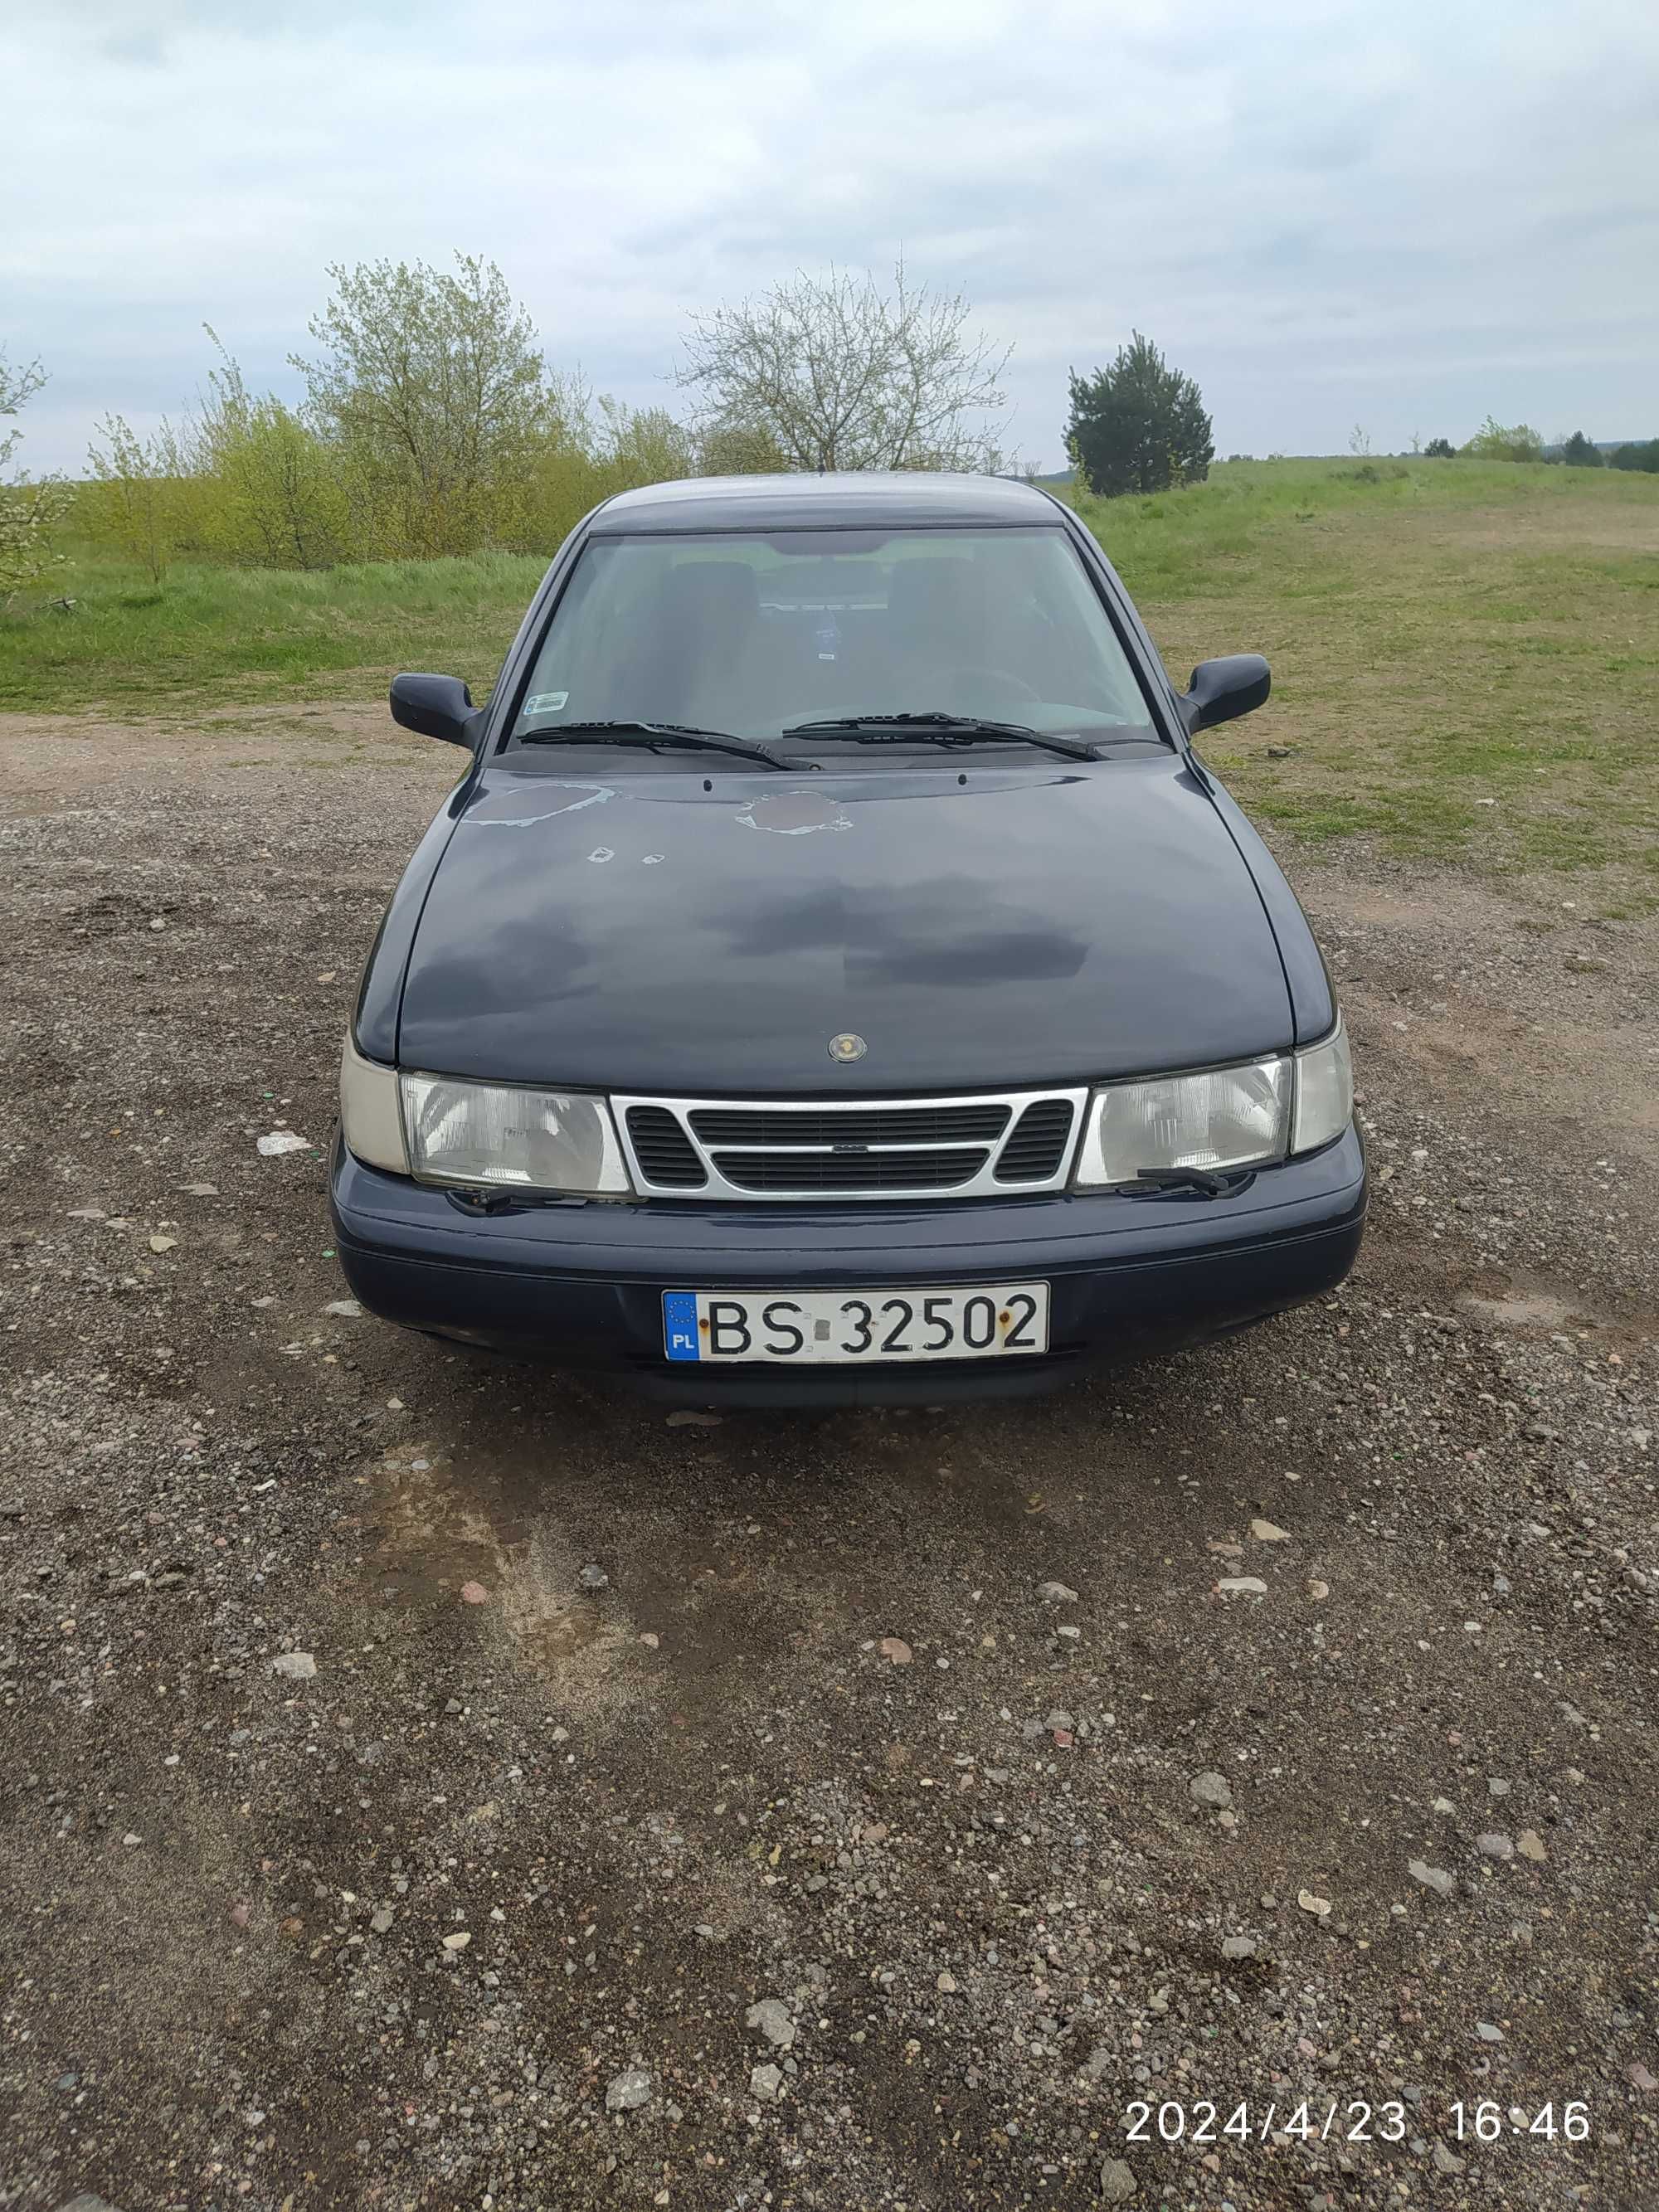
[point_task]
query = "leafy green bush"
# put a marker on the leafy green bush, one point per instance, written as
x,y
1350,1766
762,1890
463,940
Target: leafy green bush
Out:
x,y
433,425
736,449
141,496
433,395
1439,449
1492,442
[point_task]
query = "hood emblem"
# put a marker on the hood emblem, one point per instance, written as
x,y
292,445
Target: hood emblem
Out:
x,y
847,1046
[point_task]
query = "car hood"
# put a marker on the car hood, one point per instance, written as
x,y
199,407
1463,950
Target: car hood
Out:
x,y
710,932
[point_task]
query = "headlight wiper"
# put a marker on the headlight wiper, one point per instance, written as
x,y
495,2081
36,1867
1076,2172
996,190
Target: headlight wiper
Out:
x,y
1197,1182
936,728
654,735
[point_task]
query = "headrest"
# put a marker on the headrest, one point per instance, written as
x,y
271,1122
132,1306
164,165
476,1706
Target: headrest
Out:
x,y
712,594
928,593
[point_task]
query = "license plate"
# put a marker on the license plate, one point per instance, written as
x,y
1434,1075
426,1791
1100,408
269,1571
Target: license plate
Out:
x,y
983,1321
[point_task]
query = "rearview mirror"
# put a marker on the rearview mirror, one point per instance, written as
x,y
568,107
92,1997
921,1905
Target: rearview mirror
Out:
x,y
1222,691
435,706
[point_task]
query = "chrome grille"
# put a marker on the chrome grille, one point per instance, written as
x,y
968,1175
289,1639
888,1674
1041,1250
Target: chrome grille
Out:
x,y
666,1155
832,1170
850,1125
881,1149
1040,1142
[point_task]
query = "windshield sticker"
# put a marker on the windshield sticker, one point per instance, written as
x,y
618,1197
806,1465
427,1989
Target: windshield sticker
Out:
x,y
546,702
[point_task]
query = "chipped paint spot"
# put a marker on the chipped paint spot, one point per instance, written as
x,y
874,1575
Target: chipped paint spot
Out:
x,y
602,852
794,814
575,797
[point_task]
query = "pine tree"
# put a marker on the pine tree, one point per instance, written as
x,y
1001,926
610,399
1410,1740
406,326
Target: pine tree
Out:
x,y
1138,425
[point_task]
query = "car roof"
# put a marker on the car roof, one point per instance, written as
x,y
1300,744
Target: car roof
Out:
x,y
839,502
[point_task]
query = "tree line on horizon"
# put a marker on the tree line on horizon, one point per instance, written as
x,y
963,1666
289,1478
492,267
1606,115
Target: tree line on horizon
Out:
x,y
433,423
1496,441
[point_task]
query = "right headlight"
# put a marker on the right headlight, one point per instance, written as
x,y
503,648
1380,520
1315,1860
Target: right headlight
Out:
x,y
1223,1119
371,1121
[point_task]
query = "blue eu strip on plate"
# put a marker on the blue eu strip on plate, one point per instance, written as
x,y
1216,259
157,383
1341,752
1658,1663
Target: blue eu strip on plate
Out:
x,y
679,1324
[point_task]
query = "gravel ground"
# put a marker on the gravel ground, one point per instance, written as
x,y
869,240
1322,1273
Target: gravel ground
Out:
x,y
900,1802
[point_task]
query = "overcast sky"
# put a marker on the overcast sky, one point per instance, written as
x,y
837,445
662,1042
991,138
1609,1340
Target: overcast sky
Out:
x,y
1402,214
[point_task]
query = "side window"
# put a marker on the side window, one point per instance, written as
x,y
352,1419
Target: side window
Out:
x,y
601,610
1106,683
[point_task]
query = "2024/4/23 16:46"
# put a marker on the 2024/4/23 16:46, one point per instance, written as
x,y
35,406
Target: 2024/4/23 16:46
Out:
x,y
1355,2122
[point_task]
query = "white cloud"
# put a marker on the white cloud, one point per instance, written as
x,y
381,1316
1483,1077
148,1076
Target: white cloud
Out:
x,y
1320,209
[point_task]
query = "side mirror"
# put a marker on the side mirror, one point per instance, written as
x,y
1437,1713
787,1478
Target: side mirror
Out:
x,y
1222,691
435,706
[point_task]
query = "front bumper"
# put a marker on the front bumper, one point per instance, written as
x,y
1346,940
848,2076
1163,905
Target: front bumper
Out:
x,y
579,1284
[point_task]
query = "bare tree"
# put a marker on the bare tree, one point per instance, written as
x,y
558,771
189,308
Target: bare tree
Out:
x,y
838,374
17,387
31,510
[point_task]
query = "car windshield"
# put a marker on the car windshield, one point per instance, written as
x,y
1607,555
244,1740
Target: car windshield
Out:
x,y
751,633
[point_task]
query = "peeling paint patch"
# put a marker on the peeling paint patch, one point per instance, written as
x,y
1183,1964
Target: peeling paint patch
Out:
x,y
602,852
794,814
576,796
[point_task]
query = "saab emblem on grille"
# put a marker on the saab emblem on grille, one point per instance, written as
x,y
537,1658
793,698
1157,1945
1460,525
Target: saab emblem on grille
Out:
x,y
846,1046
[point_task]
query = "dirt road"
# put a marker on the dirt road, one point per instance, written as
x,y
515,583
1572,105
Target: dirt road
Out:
x,y
918,1796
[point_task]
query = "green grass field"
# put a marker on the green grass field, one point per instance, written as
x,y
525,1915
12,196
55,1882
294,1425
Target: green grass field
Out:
x,y
131,647
1465,654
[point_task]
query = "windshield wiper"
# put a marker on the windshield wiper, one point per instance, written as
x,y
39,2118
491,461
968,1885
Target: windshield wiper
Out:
x,y
653,735
936,728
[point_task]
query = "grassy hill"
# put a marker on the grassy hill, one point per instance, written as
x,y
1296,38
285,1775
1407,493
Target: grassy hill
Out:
x,y
1465,654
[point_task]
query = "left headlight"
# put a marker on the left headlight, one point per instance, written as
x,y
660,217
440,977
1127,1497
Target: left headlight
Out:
x,y
1226,1118
497,1134
1324,1091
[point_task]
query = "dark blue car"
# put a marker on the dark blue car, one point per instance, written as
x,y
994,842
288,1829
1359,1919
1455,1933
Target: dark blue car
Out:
x,y
836,977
